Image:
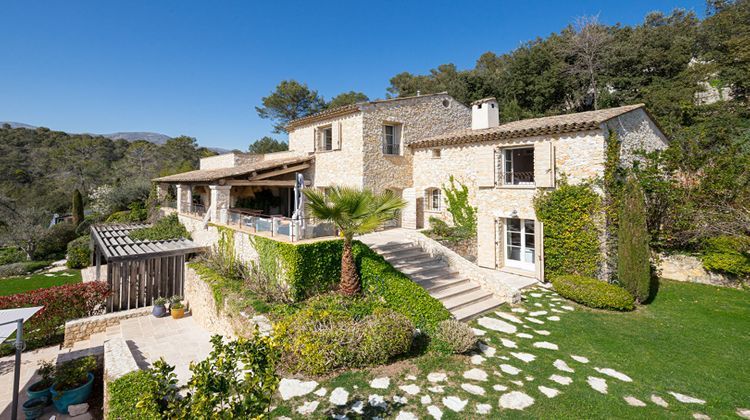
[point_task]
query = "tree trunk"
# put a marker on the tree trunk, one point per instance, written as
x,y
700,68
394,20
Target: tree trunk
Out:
x,y
349,278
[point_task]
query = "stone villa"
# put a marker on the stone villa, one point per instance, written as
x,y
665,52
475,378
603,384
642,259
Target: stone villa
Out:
x,y
412,146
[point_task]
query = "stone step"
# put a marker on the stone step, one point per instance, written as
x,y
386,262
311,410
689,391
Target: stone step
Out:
x,y
413,261
474,310
391,246
402,252
425,267
456,288
436,285
464,300
443,273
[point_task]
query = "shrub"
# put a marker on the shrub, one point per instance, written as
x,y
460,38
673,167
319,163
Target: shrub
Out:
x,y
22,268
77,208
11,255
332,332
54,242
73,373
633,264
135,396
571,233
593,293
728,255
454,336
439,227
61,304
79,253
166,228
229,291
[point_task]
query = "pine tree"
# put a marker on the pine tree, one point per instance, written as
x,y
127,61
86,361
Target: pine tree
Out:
x,y
633,265
77,207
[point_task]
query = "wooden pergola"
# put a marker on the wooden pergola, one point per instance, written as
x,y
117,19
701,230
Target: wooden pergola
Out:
x,y
139,271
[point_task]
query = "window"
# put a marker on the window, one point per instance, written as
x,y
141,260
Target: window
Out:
x,y
436,153
391,139
518,166
325,139
434,199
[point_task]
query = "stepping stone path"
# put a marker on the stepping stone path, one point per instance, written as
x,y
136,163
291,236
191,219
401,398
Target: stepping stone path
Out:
x,y
476,374
553,318
534,320
524,357
483,409
479,332
744,413
579,359
438,389
498,387
437,377
377,401
410,389
546,345
477,359
508,317
308,407
561,365
426,399
339,396
659,401
634,402
518,310
497,325
538,313
510,370
568,308
597,384
380,383
321,392
524,335
549,392
542,332
435,412
536,295
701,416
562,380
508,343
400,400
613,373
473,389
290,388
516,400
686,398
454,403
405,415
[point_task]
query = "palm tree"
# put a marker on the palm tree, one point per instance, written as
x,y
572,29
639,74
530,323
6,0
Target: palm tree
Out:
x,y
353,211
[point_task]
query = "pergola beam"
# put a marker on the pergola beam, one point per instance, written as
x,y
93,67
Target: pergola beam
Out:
x,y
284,170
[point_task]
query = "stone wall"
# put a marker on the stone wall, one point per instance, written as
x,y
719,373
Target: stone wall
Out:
x,y
83,328
690,269
637,132
118,361
200,300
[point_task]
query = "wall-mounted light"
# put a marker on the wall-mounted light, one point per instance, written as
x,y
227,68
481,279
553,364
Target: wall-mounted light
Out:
x,y
514,214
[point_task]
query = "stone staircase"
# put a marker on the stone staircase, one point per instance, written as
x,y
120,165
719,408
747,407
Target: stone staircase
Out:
x,y
463,297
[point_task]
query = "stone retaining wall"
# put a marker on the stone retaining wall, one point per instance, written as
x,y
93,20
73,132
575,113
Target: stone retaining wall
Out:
x,y
118,361
200,300
83,328
690,269
489,279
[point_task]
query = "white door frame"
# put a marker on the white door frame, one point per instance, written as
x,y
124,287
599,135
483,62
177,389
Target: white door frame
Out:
x,y
527,245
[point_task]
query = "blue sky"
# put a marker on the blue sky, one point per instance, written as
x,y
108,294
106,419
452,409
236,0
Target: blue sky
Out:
x,y
199,68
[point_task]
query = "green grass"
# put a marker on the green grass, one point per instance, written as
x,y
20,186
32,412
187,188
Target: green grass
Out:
x,y
692,339
20,284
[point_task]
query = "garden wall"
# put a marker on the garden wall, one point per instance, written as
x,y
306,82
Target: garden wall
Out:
x,y
690,269
202,305
83,328
118,361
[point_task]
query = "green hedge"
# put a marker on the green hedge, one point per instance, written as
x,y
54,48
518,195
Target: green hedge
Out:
x,y
728,255
593,293
314,268
79,252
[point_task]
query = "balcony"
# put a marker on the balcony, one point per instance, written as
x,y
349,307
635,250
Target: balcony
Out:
x,y
519,178
279,226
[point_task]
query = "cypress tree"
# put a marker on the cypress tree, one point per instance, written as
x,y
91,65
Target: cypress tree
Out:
x,y
77,207
633,264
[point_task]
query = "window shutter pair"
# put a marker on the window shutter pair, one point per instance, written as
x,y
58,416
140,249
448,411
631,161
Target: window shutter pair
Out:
x,y
487,162
544,165
318,139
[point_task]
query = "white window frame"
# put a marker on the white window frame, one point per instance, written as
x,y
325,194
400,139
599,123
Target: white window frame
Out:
x,y
432,195
505,170
322,143
394,148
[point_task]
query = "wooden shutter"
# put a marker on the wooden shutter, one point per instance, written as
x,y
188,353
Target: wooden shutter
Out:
x,y
318,134
397,143
539,250
336,134
486,167
544,165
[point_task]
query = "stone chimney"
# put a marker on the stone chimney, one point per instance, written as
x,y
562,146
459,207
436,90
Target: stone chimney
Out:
x,y
484,114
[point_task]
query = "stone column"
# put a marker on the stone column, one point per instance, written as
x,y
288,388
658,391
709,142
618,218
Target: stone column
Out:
x,y
184,198
161,191
220,202
409,212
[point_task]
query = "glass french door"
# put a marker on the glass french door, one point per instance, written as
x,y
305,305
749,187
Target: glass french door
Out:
x,y
519,243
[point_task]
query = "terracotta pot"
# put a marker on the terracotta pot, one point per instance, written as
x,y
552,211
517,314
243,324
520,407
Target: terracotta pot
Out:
x,y
177,313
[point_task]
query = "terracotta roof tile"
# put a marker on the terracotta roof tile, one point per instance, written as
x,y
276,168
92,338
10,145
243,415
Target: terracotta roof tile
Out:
x,y
207,175
557,124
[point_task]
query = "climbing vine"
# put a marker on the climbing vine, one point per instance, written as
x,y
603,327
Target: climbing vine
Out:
x,y
463,213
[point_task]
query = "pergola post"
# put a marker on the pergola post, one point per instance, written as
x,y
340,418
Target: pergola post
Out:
x,y
184,197
220,202
161,191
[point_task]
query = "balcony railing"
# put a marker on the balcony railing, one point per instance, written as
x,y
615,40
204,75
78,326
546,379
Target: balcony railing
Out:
x,y
194,209
280,226
519,178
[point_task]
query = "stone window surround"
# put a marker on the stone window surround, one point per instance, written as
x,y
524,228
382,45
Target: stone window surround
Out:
x,y
400,142
320,140
429,196
500,165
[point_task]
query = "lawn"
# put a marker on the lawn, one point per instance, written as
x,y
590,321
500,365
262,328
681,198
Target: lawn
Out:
x,y
20,284
692,339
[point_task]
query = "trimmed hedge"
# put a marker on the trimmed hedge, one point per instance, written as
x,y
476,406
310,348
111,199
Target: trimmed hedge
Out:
x,y
61,304
134,396
79,252
593,293
728,255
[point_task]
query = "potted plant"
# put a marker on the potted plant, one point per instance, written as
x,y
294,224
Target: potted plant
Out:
x,y
159,307
73,383
40,389
177,308
34,407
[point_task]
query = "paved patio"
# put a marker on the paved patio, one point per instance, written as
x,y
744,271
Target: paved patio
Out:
x,y
178,341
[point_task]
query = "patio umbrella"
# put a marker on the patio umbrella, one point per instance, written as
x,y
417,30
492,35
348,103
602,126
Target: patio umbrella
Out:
x,y
12,320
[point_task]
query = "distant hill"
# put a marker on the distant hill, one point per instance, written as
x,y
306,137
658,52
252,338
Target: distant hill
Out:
x,y
156,138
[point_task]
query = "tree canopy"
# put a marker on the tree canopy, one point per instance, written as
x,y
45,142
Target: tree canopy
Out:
x,y
267,144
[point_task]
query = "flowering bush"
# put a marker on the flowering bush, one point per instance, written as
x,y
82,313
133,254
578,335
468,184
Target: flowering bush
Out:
x,y
61,304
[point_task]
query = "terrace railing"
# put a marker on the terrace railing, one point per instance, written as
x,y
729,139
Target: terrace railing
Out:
x,y
194,209
279,226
